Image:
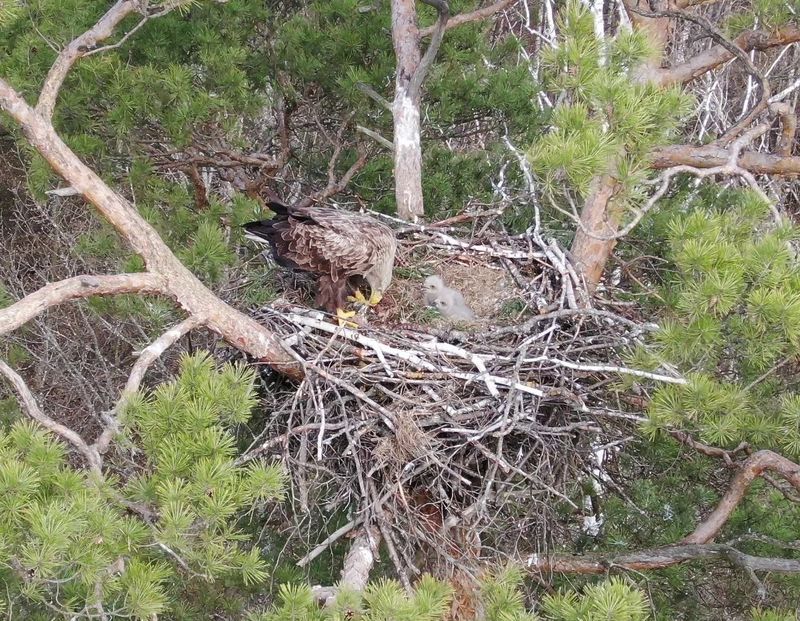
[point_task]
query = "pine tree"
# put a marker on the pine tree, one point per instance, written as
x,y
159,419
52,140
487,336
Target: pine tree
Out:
x,y
129,545
604,122
733,325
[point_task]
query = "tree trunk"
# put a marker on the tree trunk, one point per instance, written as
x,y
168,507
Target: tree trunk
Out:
x,y
405,110
589,251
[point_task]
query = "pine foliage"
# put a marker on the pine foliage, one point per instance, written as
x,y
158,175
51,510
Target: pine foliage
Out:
x,y
604,122
500,599
733,325
77,545
613,599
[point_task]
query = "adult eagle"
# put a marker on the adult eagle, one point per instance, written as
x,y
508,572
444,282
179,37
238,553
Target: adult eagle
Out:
x,y
339,247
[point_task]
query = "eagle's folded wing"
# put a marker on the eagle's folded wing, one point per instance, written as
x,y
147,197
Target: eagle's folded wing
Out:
x,y
339,252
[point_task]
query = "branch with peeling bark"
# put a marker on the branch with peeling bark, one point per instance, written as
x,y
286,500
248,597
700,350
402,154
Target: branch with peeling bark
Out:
x,y
712,58
698,544
165,275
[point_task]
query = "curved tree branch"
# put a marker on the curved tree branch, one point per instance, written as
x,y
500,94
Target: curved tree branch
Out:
x,y
78,47
715,56
180,284
754,466
697,545
28,402
77,287
472,16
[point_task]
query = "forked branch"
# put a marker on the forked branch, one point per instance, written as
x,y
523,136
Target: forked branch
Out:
x,y
79,47
32,409
473,16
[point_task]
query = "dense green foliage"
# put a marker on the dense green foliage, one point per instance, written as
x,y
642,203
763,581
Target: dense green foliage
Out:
x,y
605,123
70,542
500,600
733,323
169,530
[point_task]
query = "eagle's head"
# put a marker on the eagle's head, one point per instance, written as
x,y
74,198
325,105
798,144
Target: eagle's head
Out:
x,y
433,284
380,276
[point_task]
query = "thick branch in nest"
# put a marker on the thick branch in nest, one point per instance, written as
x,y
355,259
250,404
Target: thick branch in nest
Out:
x,y
356,567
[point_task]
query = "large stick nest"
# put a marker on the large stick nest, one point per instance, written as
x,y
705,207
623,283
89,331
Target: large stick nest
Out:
x,y
440,436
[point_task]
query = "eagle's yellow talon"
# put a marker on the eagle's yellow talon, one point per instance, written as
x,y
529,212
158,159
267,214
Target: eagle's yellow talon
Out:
x,y
358,297
343,315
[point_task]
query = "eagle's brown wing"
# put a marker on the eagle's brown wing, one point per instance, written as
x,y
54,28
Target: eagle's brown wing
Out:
x,y
324,241
333,244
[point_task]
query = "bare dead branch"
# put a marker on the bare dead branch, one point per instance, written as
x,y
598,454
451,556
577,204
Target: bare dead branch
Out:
x,y
334,186
374,95
331,539
472,16
659,558
376,137
147,357
717,55
153,352
415,86
33,410
78,47
77,287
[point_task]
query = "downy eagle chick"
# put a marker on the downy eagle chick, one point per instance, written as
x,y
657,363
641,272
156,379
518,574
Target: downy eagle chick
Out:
x,y
448,301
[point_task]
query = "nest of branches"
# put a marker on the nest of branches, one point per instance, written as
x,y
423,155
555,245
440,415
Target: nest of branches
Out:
x,y
458,444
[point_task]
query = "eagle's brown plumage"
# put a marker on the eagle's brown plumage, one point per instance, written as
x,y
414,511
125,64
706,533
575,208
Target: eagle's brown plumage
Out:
x,y
342,248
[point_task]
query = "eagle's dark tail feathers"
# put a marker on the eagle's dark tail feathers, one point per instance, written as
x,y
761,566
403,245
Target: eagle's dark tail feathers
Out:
x,y
278,208
268,232
265,231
